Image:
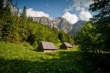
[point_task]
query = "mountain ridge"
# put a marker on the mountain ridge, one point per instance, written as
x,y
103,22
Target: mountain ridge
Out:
x,y
61,24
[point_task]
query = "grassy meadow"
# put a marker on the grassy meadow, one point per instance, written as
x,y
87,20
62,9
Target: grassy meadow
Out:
x,y
17,58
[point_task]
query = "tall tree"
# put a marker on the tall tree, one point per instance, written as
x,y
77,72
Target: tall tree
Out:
x,y
7,20
1,16
102,22
1,8
88,39
23,14
22,25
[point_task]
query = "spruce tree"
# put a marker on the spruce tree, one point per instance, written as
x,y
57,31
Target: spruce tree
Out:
x,y
1,16
7,21
23,25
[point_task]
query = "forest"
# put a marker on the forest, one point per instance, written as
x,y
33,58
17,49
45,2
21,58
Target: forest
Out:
x,y
20,35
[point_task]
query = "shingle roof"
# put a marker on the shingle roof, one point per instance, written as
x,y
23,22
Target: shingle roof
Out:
x,y
68,44
48,45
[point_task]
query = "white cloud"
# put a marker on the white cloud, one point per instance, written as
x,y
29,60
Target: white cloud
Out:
x,y
34,13
81,6
85,15
72,18
78,5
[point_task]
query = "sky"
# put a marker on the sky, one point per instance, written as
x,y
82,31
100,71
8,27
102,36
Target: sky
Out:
x,y
71,10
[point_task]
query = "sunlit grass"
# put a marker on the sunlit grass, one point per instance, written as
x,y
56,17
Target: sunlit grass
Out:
x,y
12,54
18,51
12,51
17,58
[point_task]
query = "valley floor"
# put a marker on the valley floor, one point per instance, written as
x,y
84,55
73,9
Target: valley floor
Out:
x,y
19,59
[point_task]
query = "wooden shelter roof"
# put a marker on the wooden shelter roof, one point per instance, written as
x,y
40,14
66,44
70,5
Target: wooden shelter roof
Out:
x,y
48,45
68,44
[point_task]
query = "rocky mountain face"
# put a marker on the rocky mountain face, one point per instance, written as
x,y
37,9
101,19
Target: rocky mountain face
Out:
x,y
77,27
61,24
44,20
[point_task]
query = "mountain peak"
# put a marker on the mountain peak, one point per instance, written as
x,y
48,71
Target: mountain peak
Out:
x,y
60,23
77,27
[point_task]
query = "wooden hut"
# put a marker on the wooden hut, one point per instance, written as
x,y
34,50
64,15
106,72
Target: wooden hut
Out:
x,y
66,45
47,47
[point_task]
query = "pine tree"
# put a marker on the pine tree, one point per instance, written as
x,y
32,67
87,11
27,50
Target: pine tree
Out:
x,y
1,8
23,25
1,16
7,21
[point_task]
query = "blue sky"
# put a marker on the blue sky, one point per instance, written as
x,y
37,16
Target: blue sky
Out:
x,y
72,10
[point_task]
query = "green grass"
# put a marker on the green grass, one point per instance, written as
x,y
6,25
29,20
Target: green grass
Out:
x,y
12,51
16,58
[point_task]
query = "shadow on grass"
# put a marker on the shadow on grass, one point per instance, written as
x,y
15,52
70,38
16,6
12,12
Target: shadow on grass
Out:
x,y
68,62
97,63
